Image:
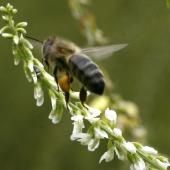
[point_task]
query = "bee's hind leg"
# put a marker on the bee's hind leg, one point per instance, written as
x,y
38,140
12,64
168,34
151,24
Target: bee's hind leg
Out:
x,y
83,95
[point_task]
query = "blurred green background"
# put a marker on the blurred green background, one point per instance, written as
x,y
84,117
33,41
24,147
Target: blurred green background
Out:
x,y
141,73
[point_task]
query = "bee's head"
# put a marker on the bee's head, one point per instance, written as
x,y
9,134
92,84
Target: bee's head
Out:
x,y
47,45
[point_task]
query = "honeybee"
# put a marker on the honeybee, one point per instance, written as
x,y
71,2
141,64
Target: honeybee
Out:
x,y
69,61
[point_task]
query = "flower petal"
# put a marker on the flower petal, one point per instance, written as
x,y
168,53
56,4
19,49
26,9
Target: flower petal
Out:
x,y
117,132
111,115
138,165
83,138
93,144
149,150
40,101
129,147
108,155
77,117
93,112
163,165
99,133
120,153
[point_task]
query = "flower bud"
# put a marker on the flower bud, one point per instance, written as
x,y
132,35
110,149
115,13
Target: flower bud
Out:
x,y
3,9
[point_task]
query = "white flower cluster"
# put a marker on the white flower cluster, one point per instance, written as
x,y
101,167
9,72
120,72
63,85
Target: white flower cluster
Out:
x,y
103,126
21,45
33,69
95,132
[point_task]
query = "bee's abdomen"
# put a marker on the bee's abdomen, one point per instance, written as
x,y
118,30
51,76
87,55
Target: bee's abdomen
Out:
x,y
87,72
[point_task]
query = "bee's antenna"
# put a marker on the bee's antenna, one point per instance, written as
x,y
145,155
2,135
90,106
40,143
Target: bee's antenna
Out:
x,y
34,39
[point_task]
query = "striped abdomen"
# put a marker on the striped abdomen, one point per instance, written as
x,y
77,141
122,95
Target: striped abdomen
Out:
x,y
87,72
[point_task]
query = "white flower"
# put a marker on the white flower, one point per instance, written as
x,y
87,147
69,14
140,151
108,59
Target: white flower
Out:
x,y
84,138
94,112
149,150
129,147
111,116
120,153
57,108
30,68
117,132
92,115
56,112
163,165
77,129
55,117
38,94
77,118
40,101
138,165
78,125
99,133
93,144
108,155
37,91
53,100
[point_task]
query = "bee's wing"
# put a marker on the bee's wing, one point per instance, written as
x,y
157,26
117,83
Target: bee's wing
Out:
x,y
37,44
103,52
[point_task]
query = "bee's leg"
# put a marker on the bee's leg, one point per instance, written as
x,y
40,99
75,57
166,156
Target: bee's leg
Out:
x,y
71,80
55,76
67,97
83,95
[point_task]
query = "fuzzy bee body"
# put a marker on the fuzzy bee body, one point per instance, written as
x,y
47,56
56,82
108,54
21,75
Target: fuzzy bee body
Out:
x,y
87,72
67,60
